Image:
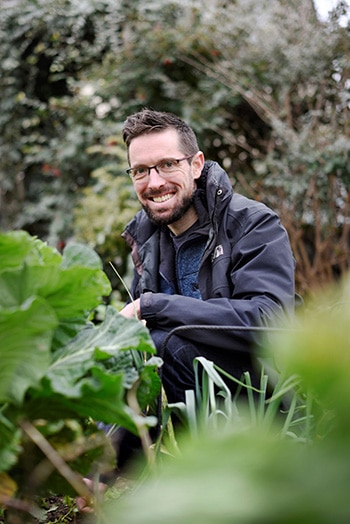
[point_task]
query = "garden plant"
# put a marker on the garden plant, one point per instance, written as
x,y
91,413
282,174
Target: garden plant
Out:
x,y
62,371
266,87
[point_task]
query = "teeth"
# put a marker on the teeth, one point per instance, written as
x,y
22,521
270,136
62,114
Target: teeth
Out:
x,y
161,198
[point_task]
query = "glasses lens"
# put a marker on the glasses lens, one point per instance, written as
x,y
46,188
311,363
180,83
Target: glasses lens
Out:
x,y
137,173
167,166
164,167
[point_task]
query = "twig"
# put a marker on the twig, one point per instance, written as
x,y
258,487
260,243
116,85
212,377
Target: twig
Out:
x,y
21,505
55,458
143,432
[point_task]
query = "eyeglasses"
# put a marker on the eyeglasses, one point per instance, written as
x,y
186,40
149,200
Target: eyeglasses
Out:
x,y
165,167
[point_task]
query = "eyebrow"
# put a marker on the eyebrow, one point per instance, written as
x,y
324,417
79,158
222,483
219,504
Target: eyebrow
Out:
x,y
158,161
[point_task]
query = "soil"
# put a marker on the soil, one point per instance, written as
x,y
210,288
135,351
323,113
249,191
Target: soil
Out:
x,y
55,511
61,510
58,511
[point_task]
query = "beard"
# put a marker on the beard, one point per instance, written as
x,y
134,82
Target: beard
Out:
x,y
177,214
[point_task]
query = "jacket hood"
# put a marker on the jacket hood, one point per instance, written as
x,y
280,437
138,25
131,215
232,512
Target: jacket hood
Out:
x,y
214,187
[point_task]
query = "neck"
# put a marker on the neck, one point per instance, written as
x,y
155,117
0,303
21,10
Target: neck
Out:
x,y
180,226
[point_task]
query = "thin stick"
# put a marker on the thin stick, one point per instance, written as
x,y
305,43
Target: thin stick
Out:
x,y
55,458
125,287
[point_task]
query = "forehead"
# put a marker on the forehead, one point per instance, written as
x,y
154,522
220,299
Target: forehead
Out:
x,y
150,148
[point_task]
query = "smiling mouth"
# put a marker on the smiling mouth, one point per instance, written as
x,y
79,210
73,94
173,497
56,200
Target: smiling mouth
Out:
x,y
162,198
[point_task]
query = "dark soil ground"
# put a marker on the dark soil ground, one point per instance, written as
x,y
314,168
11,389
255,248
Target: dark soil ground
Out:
x,y
59,511
55,510
63,510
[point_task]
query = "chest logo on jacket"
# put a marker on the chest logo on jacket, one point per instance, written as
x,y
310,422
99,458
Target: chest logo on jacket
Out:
x,y
218,251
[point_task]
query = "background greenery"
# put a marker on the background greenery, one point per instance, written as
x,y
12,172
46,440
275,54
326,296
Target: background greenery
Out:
x,y
264,84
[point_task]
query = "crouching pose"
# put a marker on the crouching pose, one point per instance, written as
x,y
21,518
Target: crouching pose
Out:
x,y
202,254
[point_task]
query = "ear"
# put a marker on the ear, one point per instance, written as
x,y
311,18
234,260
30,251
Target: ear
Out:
x,y
197,164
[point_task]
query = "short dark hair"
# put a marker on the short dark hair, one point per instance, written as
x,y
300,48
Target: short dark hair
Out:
x,y
148,121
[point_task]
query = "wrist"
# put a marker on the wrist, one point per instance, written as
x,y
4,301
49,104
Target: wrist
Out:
x,y
147,306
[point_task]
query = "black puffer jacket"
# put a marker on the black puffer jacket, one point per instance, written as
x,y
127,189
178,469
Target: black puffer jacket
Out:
x,y
246,276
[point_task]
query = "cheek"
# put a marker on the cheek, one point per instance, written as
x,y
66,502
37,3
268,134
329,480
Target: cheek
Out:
x,y
139,190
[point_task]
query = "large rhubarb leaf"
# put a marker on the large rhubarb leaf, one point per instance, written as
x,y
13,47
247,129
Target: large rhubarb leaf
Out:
x,y
73,284
107,341
75,254
56,365
99,396
18,246
70,291
25,347
14,248
89,376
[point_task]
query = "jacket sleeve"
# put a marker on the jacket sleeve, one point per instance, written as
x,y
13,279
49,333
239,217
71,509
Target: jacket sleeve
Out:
x,y
260,277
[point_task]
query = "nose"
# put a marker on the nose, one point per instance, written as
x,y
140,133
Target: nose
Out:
x,y
154,178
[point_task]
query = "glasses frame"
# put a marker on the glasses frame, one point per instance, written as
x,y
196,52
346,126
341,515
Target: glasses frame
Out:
x,y
156,167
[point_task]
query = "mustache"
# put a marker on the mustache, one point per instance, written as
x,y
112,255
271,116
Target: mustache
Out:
x,y
150,193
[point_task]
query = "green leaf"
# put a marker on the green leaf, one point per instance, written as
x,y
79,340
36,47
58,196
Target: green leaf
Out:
x,y
72,284
14,248
76,254
67,330
150,384
18,247
10,437
12,292
242,477
102,398
56,365
25,340
88,376
46,255
99,396
70,292
113,336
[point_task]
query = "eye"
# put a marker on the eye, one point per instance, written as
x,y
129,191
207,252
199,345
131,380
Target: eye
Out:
x,y
169,163
142,170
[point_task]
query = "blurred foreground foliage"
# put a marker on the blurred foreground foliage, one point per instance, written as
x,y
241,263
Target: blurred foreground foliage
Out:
x,y
245,472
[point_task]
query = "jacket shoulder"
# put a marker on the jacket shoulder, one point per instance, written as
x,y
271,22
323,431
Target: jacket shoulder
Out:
x,y
241,205
140,228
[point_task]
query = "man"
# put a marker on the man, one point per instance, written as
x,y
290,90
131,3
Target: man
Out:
x,y
203,255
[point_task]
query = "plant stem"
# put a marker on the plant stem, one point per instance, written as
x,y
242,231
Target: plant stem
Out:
x,y
55,458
